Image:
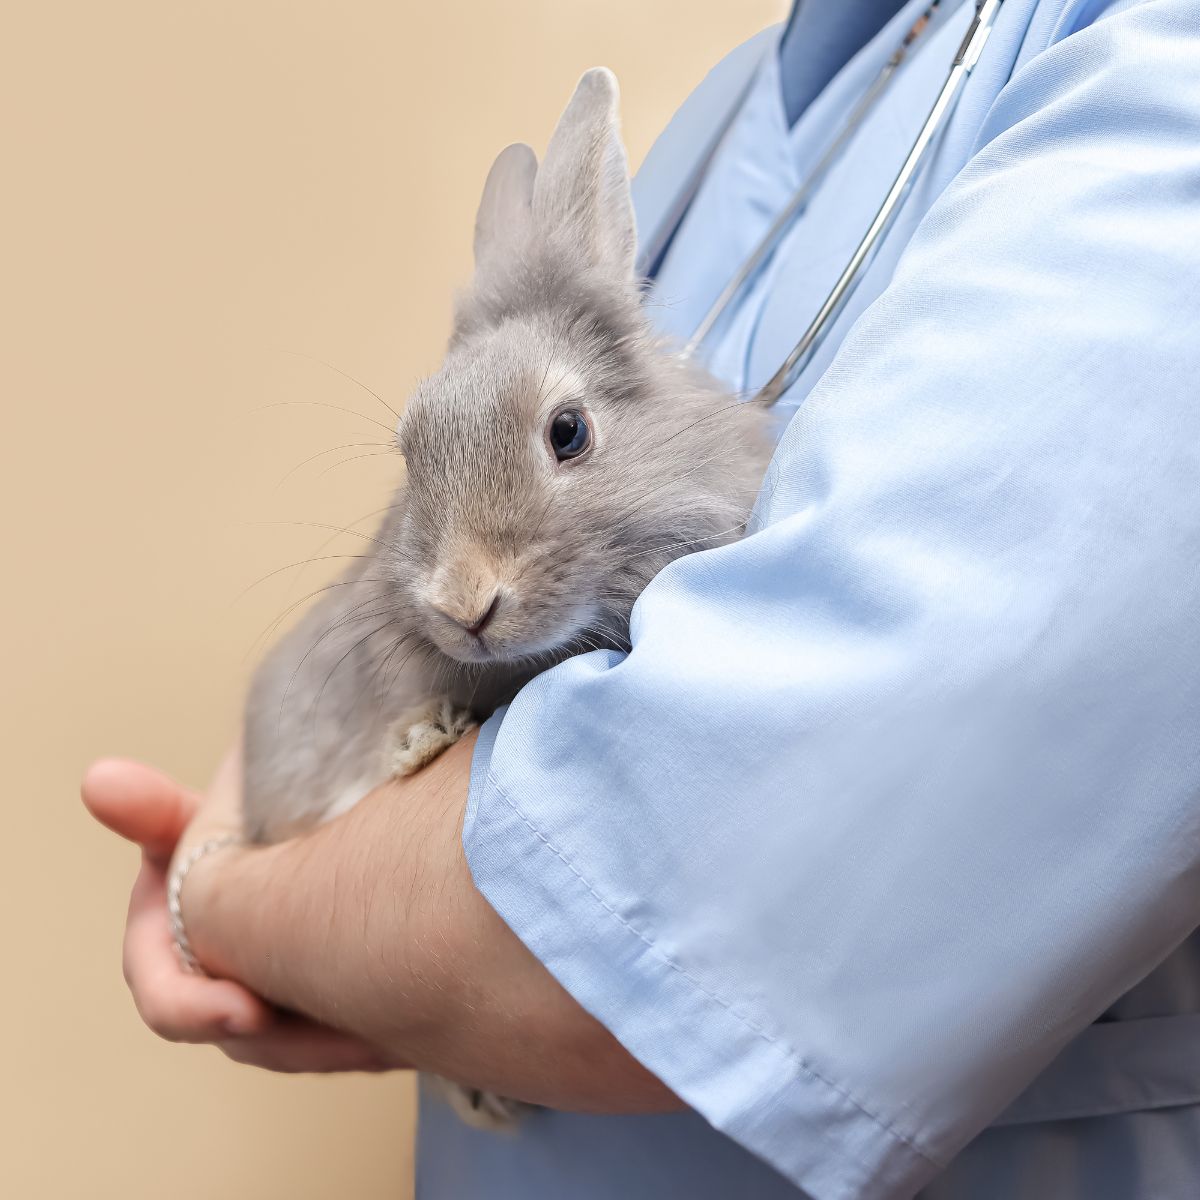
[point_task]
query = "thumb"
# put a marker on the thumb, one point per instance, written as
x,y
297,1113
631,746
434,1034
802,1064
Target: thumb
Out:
x,y
139,803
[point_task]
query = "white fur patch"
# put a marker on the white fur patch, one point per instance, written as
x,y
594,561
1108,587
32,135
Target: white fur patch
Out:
x,y
349,797
422,733
480,1109
561,384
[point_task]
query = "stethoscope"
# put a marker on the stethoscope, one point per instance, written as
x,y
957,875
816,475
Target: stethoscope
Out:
x,y
810,341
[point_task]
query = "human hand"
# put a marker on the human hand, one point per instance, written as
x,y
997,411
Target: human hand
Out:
x,y
149,808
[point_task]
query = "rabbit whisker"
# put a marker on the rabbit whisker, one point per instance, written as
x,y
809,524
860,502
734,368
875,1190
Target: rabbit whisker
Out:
x,y
358,533
316,707
322,453
390,452
303,562
291,608
333,536
355,614
344,375
324,404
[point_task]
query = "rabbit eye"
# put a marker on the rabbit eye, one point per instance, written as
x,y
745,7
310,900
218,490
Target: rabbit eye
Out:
x,y
568,434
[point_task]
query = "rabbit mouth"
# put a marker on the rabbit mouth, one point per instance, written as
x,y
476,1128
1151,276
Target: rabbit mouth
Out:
x,y
495,642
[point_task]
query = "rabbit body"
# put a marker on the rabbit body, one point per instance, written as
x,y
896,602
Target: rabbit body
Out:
x,y
508,548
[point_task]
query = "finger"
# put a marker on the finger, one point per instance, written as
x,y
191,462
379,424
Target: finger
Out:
x,y
139,803
294,1045
174,1003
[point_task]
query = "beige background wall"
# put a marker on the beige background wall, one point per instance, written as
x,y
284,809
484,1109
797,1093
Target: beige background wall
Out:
x,y
193,197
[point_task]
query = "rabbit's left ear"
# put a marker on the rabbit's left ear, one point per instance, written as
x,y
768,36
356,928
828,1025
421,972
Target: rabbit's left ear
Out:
x,y
505,218
582,188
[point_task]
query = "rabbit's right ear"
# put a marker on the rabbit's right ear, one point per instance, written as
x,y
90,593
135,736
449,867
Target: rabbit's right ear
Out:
x,y
582,193
505,215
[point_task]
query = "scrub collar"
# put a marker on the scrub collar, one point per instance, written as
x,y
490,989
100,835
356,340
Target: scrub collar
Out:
x,y
820,38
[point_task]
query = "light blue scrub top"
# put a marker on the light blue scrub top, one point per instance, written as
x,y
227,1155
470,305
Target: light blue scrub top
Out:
x,y
882,845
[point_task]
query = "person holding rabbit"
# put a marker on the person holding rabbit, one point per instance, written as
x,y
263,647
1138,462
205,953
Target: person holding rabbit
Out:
x,y
858,856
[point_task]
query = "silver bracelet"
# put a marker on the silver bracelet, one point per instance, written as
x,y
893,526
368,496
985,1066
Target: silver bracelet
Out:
x,y
175,882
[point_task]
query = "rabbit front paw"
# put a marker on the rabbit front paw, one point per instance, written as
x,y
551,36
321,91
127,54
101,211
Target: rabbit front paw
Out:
x,y
483,1110
422,733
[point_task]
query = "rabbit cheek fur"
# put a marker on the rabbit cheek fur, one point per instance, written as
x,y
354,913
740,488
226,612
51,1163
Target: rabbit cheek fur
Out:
x,y
499,558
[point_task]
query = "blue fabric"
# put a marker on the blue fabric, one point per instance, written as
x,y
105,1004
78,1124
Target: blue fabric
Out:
x,y
894,798
761,163
819,39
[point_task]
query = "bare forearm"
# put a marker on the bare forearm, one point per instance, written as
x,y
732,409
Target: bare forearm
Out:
x,y
373,924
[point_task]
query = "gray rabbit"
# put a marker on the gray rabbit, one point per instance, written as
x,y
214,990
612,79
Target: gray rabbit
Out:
x,y
558,460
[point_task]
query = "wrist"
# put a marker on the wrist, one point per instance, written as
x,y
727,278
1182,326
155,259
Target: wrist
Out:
x,y
286,918
186,860
209,910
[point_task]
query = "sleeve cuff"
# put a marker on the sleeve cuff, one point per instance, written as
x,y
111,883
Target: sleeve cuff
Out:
x,y
748,1085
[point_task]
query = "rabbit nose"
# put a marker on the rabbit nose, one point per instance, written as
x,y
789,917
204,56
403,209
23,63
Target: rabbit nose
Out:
x,y
481,622
474,619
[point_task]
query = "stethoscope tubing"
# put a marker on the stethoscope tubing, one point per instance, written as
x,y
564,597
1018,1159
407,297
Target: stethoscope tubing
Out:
x,y
811,340
809,185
